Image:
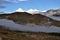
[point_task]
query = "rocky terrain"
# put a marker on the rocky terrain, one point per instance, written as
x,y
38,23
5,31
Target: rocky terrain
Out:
x,y
25,18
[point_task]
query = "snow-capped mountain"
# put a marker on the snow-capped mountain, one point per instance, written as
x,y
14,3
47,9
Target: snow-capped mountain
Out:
x,y
44,12
52,12
20,10
33,11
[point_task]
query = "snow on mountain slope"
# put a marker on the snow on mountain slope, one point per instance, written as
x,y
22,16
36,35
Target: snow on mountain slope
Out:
x,y
50,14
29,27
33,11
19,10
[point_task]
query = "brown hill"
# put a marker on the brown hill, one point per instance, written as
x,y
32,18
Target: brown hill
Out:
x,y
25,18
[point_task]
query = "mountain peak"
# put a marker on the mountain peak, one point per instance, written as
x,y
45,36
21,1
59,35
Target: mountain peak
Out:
x,y
33,11
20,10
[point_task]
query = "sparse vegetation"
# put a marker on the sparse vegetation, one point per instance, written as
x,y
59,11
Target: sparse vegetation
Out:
x,y
6,34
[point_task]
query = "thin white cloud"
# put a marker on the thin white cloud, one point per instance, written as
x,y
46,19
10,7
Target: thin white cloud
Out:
x,y
23,0
4,1
2,6
9,1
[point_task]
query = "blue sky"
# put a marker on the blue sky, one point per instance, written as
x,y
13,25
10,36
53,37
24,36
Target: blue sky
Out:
x,y
31,4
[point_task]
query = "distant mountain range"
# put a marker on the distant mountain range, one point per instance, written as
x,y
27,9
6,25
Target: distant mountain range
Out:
x,y
53,12
36,11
